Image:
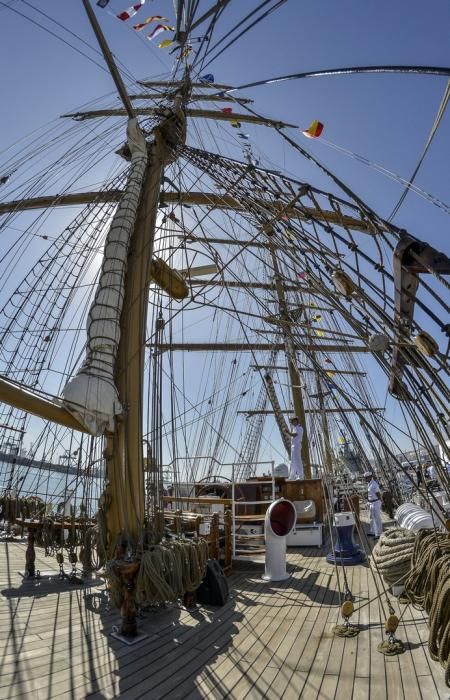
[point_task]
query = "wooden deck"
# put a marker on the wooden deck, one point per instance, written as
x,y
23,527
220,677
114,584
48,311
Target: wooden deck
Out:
x,y
269,641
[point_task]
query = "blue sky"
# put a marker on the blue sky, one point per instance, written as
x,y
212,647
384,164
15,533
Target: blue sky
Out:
x,y
385,118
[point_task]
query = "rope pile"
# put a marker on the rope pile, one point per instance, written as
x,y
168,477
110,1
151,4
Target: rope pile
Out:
x,y
169,570
393,553
428,585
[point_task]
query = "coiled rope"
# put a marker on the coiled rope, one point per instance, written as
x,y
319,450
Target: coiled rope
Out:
x,y
393,553
169,570
428,585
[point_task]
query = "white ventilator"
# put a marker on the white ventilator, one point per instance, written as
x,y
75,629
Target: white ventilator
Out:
x,y
280,519
413,517
91,396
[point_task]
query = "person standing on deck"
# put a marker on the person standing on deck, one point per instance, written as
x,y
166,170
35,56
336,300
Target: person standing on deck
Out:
x,y
296,470
374,499
419,475
431,472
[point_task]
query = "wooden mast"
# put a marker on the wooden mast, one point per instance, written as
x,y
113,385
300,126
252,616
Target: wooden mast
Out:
x,y
124,448
125,495
294,375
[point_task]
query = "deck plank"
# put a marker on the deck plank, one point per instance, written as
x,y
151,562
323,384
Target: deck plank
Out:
x,y
269,641
361,688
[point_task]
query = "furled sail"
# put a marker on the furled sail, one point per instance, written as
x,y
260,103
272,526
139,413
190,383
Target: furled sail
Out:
x,y
92,394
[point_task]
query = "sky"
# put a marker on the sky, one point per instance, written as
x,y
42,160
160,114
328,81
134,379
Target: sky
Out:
x,y
384,118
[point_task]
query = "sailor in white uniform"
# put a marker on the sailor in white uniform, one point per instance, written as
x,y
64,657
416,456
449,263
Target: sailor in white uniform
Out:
x,y
432,473
296,470
374,499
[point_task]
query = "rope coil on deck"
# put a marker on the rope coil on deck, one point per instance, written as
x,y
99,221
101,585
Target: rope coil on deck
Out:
x,y
428,585
169,570
393,553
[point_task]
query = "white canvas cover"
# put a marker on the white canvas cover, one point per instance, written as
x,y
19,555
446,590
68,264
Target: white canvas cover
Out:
x,y
91,396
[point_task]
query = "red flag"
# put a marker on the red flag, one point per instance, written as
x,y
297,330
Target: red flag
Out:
x,y
130,11
227,110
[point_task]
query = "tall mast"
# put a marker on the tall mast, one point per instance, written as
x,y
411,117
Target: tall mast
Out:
x,y
124,501
294,375
124,448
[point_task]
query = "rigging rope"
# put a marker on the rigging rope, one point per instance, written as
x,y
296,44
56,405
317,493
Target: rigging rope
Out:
x,y
437,121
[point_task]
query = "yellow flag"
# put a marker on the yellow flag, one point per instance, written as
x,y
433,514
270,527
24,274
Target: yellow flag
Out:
x,y
164,44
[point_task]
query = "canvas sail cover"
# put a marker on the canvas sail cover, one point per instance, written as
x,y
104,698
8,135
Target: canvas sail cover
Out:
x,y
91,396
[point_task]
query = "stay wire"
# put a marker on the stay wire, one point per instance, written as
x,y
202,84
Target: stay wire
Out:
x,y
437,121
244,31
56,36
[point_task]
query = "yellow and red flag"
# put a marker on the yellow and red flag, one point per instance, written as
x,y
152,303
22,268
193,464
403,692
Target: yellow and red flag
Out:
x,y
158,29
314,129
155,18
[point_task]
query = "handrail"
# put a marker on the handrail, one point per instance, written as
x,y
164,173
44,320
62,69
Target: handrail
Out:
x,y
198,499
